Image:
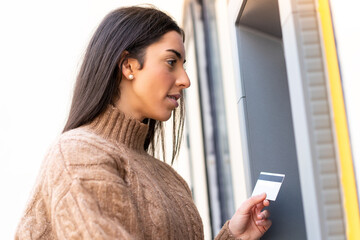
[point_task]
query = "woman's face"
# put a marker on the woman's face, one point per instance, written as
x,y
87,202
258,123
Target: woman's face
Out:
x,y
156,88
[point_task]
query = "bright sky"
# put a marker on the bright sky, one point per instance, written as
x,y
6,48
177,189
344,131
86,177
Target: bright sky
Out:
x,y
41,45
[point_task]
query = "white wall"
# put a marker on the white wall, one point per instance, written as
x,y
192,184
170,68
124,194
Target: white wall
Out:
x,y
41,45
346,21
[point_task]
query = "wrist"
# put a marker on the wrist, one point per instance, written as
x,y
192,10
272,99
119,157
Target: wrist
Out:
x,y
241,236
233,236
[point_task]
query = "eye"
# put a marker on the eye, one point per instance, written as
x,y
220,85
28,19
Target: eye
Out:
x,y
171,62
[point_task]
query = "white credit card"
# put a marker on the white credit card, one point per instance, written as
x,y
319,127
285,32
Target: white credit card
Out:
x,y
270,184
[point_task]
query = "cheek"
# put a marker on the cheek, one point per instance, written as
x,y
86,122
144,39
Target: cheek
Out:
x,y
161,83
166,79
155,85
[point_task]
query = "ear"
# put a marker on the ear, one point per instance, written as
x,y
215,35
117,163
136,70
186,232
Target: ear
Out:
x,y
129,65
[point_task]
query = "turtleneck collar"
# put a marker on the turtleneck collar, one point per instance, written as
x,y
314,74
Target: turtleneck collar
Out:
x,y
116,126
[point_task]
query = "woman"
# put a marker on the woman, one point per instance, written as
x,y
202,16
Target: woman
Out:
x,y
98,180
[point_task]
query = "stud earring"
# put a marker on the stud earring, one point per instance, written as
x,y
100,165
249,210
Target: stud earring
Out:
x,y
131,77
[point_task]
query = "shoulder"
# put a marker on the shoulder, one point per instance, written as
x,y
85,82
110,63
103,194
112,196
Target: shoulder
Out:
x,y
82,139
84,155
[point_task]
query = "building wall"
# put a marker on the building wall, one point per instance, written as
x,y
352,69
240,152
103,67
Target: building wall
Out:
x,y
255,56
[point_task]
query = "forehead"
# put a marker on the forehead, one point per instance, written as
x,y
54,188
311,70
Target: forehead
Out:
x,y
170,40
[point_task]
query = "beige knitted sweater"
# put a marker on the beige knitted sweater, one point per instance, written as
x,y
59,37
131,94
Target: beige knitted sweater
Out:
x,y
97,182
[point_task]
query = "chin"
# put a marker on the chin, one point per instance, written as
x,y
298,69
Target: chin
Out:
x,y
162,117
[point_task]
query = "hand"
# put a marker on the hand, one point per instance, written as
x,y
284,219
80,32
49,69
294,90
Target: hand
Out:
x,y
249,221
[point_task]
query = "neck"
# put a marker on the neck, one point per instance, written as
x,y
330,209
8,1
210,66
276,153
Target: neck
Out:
x,y
127,103
121,128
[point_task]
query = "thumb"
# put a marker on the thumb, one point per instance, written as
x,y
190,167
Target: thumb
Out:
x,y
251,202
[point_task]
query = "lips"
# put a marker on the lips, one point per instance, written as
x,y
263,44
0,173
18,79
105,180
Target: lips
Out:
x,y
173,98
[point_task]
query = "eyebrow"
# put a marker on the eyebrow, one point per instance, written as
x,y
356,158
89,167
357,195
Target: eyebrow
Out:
x,y
176,53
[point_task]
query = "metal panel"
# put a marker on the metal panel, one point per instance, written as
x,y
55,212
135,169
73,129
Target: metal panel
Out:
x,y
269,128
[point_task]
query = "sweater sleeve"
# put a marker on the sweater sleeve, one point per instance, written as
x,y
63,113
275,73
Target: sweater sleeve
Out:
x,y
225,233
90,199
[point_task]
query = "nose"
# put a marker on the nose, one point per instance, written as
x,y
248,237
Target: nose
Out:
x,y
183,80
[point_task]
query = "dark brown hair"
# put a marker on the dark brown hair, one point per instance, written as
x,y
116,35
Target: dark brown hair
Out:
x,y
125,30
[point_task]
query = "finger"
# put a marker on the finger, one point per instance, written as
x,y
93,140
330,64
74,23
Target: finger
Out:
x,y
264,223
261,205
264,214
251,202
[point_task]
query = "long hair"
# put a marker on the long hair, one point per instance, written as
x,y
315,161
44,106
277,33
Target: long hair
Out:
x,y
130,30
